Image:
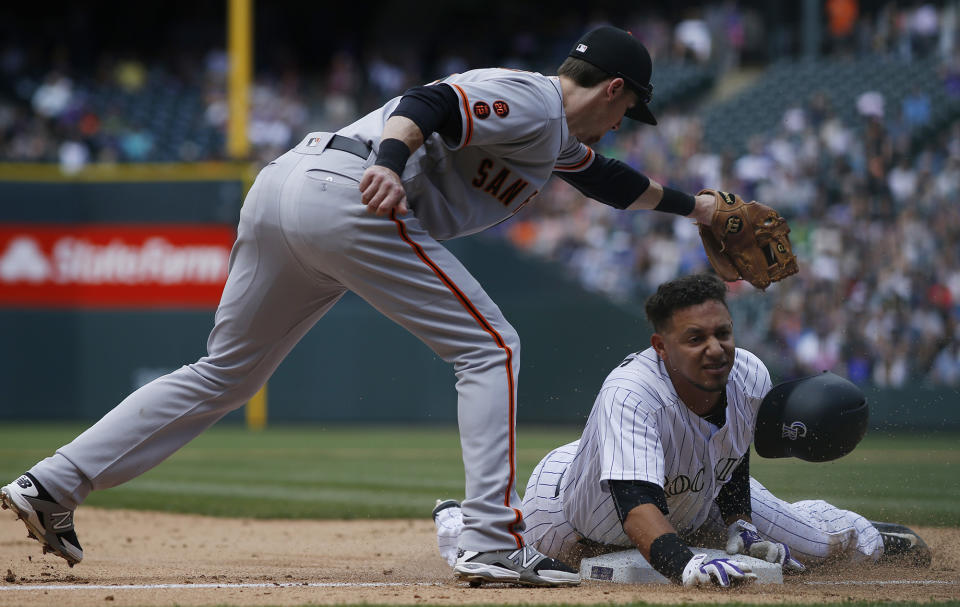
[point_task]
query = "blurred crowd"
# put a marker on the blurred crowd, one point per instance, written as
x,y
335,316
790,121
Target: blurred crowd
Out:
x,y
876,231
130,108
130,111
874,219
871,205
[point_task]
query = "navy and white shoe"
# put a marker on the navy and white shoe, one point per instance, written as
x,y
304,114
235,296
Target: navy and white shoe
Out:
x,y
47,521
524,566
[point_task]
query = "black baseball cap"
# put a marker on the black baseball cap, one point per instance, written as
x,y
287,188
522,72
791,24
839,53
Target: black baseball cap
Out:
x,y
619,54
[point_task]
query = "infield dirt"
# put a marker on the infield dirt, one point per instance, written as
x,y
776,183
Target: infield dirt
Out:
x,y
397,560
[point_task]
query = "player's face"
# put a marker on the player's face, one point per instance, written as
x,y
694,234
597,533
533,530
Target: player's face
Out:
x,y
612,103
698,349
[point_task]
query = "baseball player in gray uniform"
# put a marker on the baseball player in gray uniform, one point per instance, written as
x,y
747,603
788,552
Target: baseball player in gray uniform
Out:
x,y
364,209
663,462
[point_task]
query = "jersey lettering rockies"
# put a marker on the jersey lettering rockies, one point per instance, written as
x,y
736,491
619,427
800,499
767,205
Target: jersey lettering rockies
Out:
x,y
514,135
640,430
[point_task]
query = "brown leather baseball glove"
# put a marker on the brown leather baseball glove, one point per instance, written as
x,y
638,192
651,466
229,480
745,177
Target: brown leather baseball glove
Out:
x,y
747,240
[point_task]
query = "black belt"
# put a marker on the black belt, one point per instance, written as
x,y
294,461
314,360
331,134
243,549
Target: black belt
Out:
x,y
346,144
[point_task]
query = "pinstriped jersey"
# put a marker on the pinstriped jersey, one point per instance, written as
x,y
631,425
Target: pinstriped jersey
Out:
x,y
640,430
514,134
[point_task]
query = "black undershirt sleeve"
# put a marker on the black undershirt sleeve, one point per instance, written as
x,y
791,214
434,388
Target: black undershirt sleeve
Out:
x,y
609,181
734,496
627,495
435,108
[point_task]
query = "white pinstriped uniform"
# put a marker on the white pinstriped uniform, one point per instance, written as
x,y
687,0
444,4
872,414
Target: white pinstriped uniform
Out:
x,y
640,430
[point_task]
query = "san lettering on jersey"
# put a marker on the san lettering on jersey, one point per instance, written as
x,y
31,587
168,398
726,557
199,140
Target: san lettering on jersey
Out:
x,y
640,430
493,180
514,134
496,184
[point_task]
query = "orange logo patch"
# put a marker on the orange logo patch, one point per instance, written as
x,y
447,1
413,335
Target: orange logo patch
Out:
x,y
501,108
481,110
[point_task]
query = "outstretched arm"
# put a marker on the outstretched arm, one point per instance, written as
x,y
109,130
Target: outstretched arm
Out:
x,y
642,507
619,185
653,199
644,525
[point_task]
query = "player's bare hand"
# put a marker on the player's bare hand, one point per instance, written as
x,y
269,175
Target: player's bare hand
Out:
x,y
703,209
382,191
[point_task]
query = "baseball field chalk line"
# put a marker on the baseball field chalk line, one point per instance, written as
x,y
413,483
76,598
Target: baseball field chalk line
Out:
x,y
884,583
27,587
228,586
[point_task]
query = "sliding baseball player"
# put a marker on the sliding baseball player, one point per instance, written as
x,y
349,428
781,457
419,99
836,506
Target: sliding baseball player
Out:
x,y
663,464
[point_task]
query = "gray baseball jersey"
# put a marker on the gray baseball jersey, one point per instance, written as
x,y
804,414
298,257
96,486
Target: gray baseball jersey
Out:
x,y
514,136
305,238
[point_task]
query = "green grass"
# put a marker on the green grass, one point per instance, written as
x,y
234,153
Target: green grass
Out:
x,y
378,472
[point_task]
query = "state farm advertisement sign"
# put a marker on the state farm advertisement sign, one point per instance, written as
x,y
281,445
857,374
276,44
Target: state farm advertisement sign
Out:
x,y
113,265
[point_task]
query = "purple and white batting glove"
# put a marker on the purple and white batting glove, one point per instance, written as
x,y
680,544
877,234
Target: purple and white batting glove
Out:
x,y
743,538
718,572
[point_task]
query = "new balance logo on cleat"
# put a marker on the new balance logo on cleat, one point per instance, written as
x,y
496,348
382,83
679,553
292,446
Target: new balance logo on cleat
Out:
x,y
523,566
28,487
523,558
62,520
524,554
47,521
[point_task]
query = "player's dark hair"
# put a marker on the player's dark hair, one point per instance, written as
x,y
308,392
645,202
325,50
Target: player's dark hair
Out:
x,y
682,293
582,73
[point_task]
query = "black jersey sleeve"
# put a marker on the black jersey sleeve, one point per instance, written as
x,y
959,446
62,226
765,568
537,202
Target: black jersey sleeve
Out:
x,y
609,181
434,108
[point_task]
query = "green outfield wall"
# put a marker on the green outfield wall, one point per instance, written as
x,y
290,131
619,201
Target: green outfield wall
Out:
x,y
75,362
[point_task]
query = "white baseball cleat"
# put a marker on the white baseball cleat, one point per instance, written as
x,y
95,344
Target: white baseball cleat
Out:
x,y
47,521
524,566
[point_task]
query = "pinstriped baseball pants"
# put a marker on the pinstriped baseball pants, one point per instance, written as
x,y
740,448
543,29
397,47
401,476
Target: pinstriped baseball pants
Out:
x,y
813,529
547,527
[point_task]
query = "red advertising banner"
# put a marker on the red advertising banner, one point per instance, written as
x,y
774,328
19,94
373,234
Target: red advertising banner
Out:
x,y
106,265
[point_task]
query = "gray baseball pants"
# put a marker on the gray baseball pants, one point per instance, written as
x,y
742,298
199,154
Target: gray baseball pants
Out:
x,y
304,238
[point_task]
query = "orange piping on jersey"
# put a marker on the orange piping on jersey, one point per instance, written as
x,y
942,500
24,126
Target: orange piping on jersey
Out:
x,y
525,201
485,325
574,167
466,112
